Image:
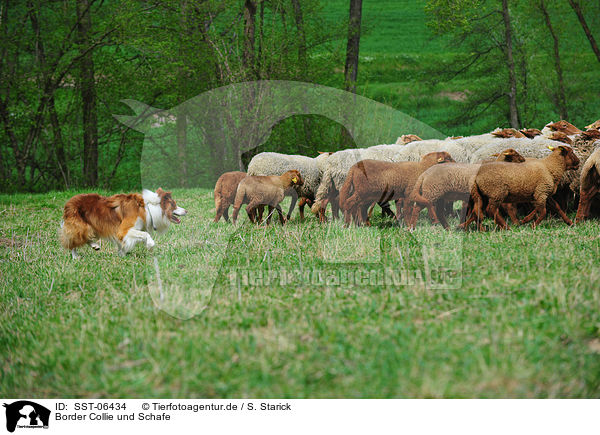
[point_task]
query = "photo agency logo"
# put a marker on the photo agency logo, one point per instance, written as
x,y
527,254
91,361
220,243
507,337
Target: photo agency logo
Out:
x,y
25,414
191,144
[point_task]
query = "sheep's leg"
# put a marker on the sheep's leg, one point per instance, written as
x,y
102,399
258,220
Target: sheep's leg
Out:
x,y
292,204
386,210
511,211
541,210
226,214
585,203
494,209
441,217
554,204
465,211
529,217
261,210
335,207
281,217
303,201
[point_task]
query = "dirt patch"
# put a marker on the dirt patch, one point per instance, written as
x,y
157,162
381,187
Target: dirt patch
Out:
x,y
10,243
454,96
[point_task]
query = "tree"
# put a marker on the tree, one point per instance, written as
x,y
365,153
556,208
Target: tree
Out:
x,y
560,98
87,85
588,33
352,48
484,30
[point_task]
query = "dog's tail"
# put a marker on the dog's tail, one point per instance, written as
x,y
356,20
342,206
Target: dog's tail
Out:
x,y
74,231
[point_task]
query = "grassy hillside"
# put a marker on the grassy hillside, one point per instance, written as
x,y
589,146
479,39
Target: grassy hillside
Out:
x,y
403,64
524,322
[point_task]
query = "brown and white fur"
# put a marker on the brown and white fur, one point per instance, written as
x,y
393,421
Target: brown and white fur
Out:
x,y
127,219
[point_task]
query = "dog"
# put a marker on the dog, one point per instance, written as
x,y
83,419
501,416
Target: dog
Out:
x,y
126,219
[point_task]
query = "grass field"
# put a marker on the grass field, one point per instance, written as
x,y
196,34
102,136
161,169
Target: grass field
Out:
x,y
524,322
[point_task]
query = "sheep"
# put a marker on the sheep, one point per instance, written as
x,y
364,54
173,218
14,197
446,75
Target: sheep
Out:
x,y
590,185
531,181
225,190
256,190
530,132
594,125
560,126
449,182
269,163
371,181
407,138
339,163
507,132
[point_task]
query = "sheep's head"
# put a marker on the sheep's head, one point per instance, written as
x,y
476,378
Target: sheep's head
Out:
x,y
295,178
571,160
436,158
507,132
595,125
592,133
564,127
531,132
408,138
510,155
561,137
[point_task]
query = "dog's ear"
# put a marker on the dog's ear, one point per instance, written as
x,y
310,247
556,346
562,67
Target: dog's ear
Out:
x,y
160,192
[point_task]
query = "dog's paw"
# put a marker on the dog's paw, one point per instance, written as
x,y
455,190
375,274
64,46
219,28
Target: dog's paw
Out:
x,y
150,243
95,246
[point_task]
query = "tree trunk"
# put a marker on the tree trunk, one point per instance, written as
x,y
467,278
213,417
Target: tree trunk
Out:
x,y
301,34
351,66
87,86
181,127
512,78
560,92
249,30
577,9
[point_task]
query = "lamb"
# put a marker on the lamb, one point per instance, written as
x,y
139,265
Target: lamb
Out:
x,y
449,182
269,163
531,181
590,185
371,181
225,190
256,190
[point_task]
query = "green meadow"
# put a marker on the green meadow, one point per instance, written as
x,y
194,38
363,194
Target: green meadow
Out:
x,y
521,317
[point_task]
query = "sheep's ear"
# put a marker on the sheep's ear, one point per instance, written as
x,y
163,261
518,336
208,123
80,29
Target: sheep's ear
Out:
x,y
563,150
506,153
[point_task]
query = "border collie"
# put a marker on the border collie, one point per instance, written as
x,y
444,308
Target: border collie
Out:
x,y
126,219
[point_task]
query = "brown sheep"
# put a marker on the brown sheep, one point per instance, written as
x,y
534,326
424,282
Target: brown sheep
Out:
x,y
563,127
594,125
530,132
507,132
591,133
225,190
450,182
561,137
589,185
532,181
371,181
257,190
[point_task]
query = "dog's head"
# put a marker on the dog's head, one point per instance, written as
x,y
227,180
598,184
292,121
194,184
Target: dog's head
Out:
x,y
169,207
161,209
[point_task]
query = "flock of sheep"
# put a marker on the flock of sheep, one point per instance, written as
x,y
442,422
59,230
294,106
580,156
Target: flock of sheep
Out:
x,y
506,171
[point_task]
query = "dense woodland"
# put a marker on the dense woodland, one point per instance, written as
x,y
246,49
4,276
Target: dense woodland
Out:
x,y
463,66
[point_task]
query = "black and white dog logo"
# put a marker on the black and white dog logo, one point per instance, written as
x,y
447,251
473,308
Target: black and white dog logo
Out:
x,y
26,414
